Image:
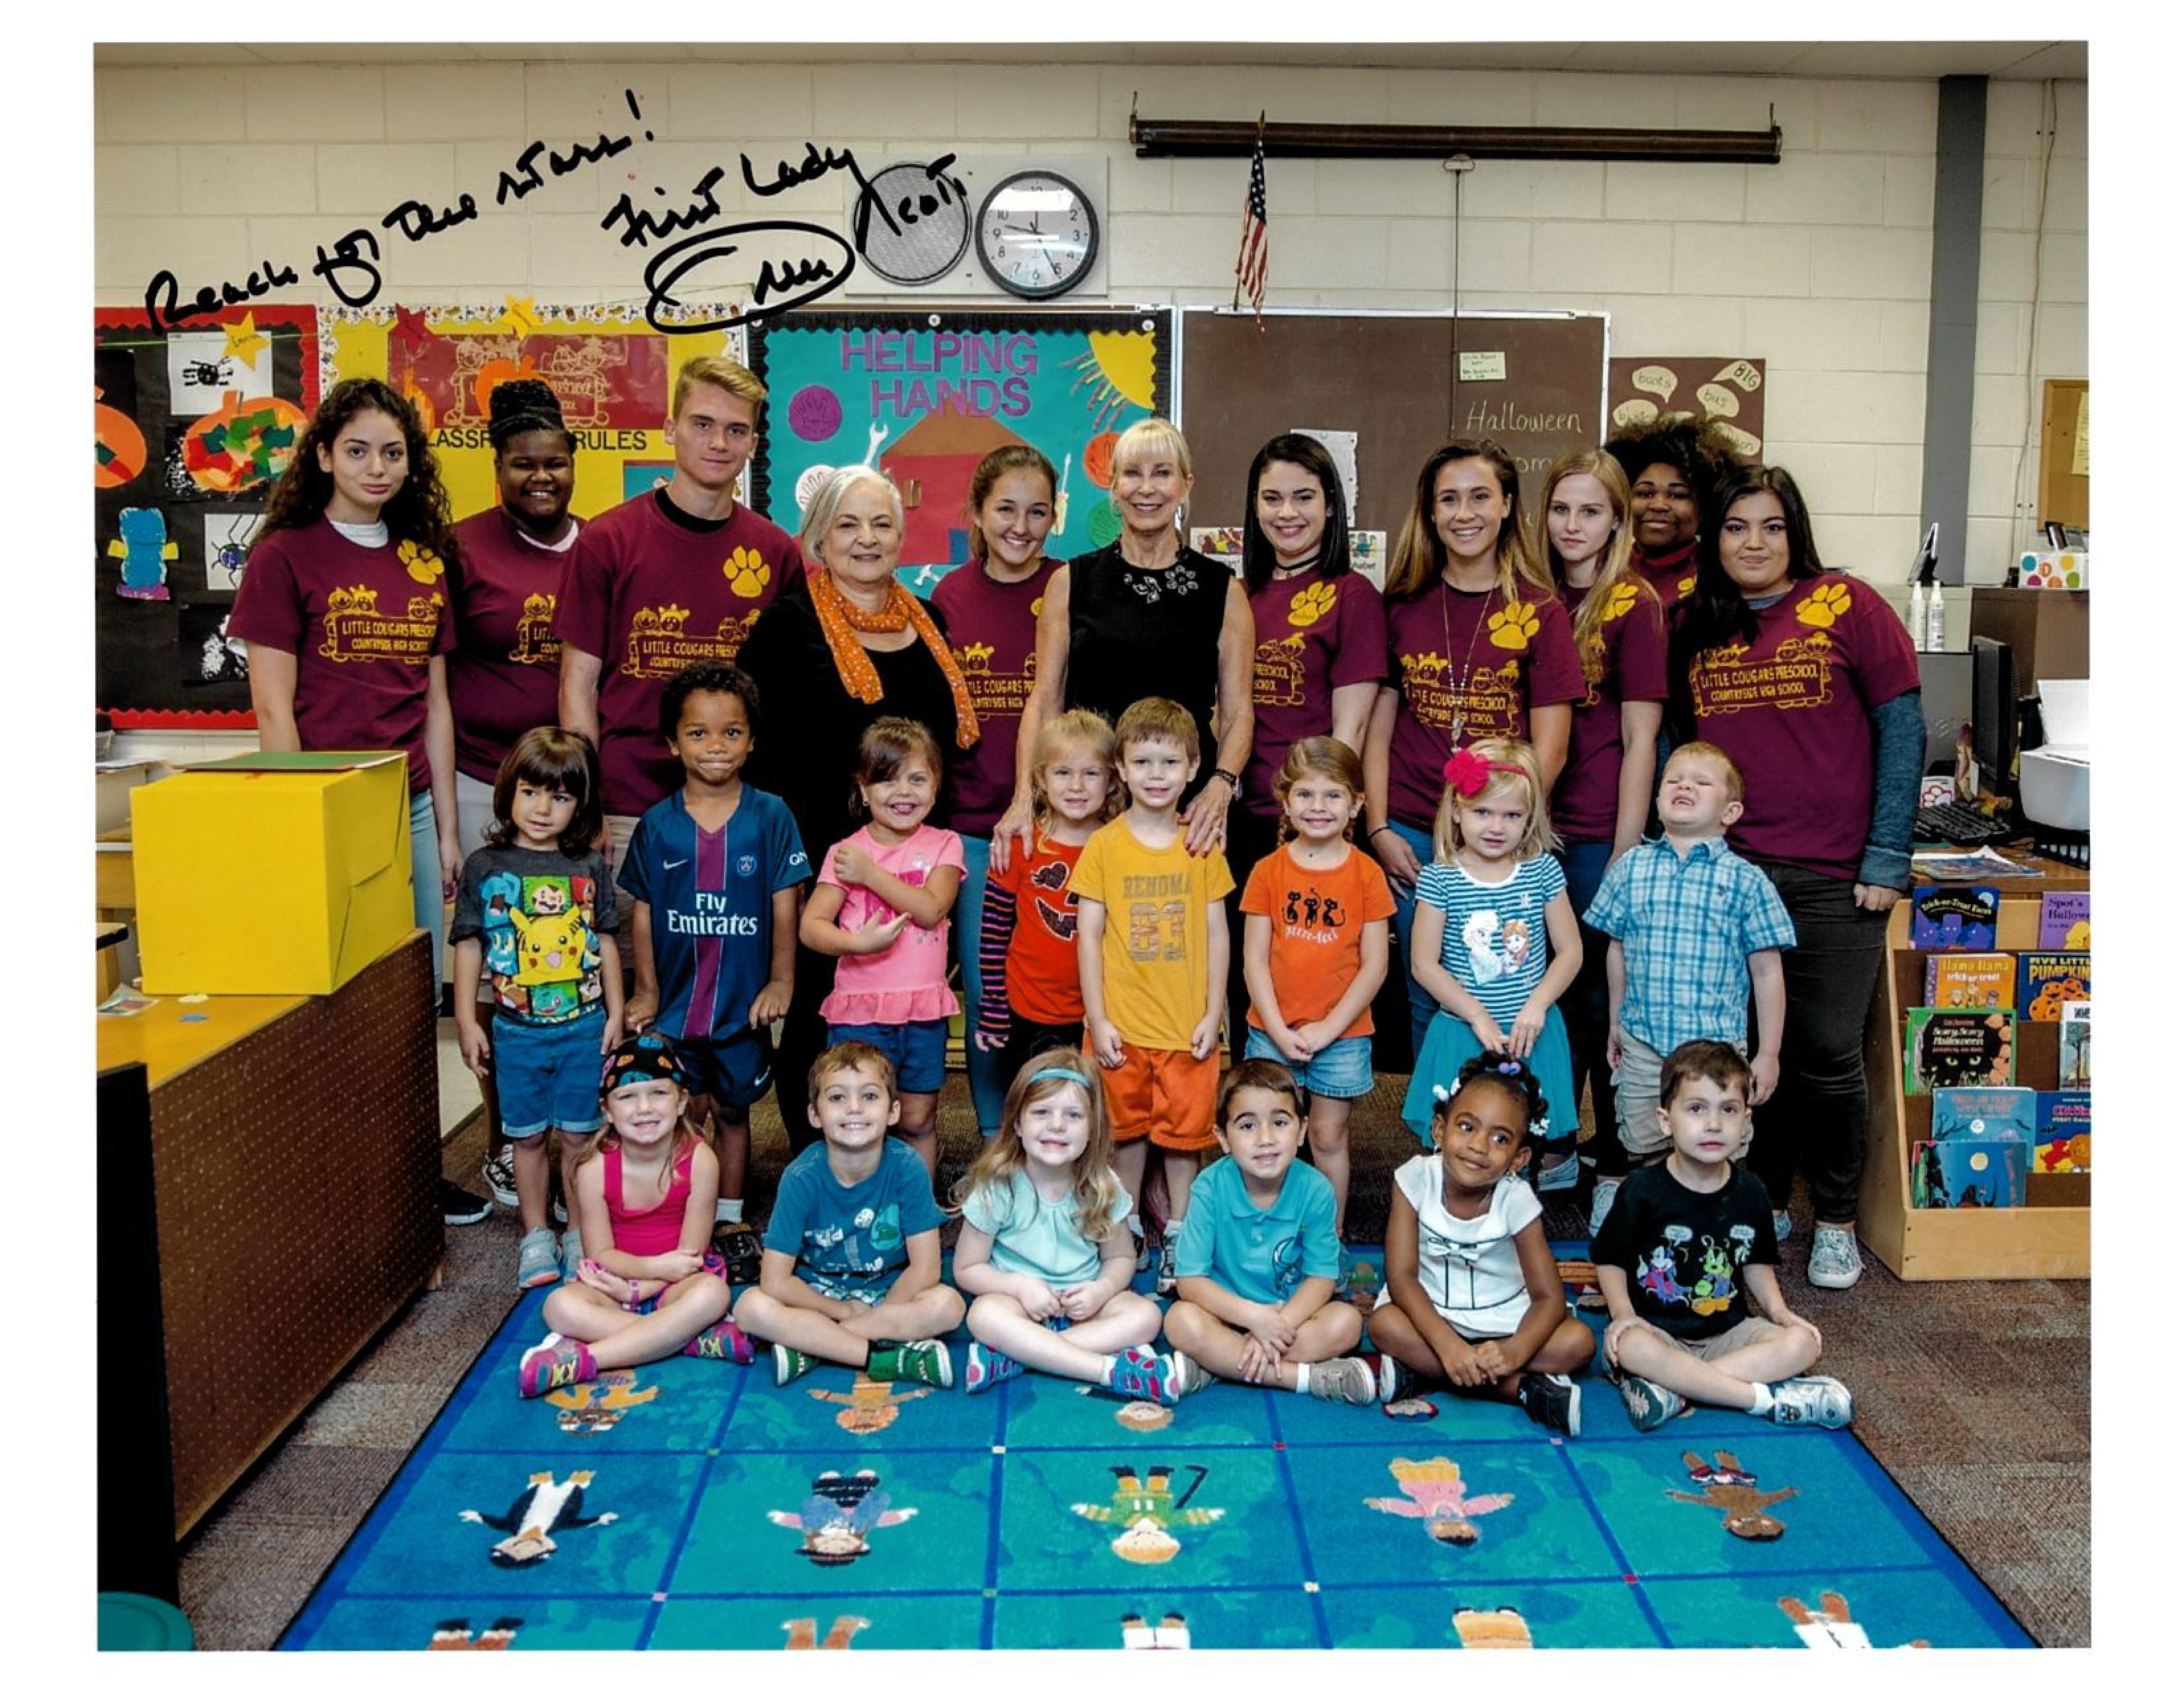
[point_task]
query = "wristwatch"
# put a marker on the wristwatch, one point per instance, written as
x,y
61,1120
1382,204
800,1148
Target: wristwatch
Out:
x,y
1235,781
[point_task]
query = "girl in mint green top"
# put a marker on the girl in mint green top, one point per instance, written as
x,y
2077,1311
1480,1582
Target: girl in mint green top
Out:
x,y
1045,1249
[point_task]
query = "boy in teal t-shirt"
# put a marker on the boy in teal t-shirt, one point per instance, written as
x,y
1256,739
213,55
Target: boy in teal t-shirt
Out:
x,y
1256,1264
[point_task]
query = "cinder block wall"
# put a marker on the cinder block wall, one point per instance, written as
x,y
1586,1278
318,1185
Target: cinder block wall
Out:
x,y
1819,266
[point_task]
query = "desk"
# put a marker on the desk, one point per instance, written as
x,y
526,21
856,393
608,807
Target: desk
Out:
x,y
296,1164
2051,1235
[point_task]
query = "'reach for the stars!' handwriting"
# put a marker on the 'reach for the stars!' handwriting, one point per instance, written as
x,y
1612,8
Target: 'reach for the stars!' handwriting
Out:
x,y
783,280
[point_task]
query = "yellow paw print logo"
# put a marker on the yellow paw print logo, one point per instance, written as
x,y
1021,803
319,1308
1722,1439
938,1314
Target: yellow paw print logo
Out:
x,y
1825,607
747,572
1512,628
1038,603
1312,603
422,564
1620,600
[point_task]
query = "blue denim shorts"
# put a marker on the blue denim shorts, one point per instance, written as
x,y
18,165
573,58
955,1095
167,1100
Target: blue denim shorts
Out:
x,y
1343,1069
917,1050
547,1076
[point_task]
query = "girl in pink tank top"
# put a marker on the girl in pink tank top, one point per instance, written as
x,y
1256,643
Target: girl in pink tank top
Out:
x,y
643,1192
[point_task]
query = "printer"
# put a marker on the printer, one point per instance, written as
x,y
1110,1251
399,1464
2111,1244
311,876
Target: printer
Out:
x,y
2054,783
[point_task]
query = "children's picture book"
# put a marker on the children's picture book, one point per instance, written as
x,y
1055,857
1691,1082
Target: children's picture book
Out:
x,y
1968,1174
1972,981
1944,1048
2066,1141
2066,921
2049,979
1957,866
2074,1051
1995,1113
1953,917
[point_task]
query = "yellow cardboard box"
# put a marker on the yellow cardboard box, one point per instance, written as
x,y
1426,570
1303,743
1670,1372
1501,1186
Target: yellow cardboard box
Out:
x,y
272,874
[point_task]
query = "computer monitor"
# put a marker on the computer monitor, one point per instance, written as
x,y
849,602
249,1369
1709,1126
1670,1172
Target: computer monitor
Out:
x,y
1994,713
1945,695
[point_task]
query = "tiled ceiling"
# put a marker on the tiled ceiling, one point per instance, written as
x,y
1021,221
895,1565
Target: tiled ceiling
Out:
x,y
2023,60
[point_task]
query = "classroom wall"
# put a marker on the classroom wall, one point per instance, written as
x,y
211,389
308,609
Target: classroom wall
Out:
x,y
1820,264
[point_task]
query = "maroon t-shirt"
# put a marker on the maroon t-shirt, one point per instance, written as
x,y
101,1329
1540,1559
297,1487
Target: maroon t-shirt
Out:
x,y
364,621
1672,575
993,627
648,598
1791,712
504,675
1308,636
1468,666
1633,654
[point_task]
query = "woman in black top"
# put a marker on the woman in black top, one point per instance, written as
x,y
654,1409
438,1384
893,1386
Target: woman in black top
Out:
x,y
815,699
1146,616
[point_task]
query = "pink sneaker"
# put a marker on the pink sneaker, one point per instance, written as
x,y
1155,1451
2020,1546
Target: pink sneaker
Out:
x,y
555,1363
724,1341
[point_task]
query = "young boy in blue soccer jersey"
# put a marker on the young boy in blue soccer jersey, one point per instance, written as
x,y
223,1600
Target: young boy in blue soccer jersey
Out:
x,y
852,1264
1696,934
1255,1264
715,870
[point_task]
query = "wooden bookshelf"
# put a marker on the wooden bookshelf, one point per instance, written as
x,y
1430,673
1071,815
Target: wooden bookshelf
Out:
x,y
2049,1237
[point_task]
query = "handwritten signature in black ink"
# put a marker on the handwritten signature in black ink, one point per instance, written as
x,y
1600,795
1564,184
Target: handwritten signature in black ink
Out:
x,y
782,283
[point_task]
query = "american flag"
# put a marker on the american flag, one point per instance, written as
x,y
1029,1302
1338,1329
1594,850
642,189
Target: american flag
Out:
x,y
1251,251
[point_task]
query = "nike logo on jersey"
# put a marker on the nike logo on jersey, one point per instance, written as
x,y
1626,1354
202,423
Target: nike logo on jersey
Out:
x,y
684,862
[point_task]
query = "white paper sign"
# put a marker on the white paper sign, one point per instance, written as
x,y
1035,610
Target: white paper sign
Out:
x,y
1482,366
1341,446
201,371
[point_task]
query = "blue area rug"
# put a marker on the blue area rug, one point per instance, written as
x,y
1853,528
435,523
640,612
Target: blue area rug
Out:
x,y
681,1508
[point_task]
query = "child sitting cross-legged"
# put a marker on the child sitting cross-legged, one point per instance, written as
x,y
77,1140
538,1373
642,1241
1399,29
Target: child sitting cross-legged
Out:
x,y
1474,1300
1045,1249
1255,1264
851,1270
1686,1259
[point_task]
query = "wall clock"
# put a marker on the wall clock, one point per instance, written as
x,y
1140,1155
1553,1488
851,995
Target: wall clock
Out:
x,y
1037,236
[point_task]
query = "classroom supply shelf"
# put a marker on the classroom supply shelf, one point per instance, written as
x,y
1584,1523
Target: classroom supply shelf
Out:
x,y
2049,1237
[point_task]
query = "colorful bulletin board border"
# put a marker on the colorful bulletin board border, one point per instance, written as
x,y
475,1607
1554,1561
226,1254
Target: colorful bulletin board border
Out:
x,y
1731,391
191,425
613,372
924,395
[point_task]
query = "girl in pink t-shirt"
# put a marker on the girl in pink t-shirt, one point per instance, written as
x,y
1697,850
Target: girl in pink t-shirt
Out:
x,y
881,906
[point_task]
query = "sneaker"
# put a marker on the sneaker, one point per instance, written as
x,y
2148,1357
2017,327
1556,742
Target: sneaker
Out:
x,y
1164,1278
1562,1175
789,1364
1835,1264
573,1253
1650,1406
1352,1380
1397,1381
1603,1198
925,1362
500,1175
554,1363
561,1211
1144,1374
537,1260
1812,1401
458,1207
1186,1376
1550,1399
724,1341
984,1366
1781,1225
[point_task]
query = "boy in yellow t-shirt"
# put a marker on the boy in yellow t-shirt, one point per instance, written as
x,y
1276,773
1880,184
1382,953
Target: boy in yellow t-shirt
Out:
x,y
1152,952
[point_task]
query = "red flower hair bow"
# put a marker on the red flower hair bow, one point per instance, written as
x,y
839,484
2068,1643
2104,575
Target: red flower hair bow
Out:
x,y
1467,770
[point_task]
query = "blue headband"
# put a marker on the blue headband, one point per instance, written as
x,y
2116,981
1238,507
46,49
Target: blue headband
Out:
x,y
1069,1072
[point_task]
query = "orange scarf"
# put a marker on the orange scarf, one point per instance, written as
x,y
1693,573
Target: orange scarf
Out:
x,y
841,620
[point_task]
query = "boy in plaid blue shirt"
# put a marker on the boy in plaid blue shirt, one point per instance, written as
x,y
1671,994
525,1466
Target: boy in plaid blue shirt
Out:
x,y
1698,938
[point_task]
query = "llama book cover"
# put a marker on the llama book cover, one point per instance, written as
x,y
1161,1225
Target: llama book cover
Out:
x,y
1973,981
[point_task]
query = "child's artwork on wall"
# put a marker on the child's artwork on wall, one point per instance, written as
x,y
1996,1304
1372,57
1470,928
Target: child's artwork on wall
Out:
x,y
191,428
923,398
613,372
1731,393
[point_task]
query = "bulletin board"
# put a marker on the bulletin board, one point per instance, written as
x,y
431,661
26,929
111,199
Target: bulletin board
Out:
x,y
924,395
1534,382
193,426
613,372
1728,392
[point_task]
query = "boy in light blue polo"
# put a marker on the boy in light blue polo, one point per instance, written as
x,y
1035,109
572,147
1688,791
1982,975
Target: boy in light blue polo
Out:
x,y
1254,1265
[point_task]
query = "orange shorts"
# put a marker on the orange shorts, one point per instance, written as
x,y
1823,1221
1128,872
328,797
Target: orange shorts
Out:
x,y
1166,1094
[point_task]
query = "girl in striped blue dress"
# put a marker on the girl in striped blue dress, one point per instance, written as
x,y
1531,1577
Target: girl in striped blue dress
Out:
x,y
1492,907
